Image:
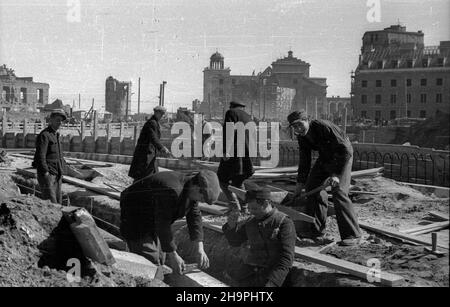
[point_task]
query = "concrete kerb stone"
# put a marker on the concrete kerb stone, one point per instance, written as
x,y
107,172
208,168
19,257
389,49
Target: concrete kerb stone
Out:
x,y
134,265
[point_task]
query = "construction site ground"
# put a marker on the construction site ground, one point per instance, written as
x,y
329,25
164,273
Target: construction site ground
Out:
x,y
28,230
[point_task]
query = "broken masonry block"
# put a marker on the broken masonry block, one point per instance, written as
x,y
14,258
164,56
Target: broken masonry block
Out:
x,y
135,265
88,236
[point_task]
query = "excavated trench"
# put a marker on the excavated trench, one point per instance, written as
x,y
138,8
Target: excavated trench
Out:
x,y
224,259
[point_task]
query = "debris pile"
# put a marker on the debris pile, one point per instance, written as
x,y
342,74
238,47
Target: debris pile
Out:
x,y
36,243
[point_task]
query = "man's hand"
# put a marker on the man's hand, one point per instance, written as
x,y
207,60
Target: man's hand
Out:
x,y
334,181
176,263
202,258
299,189
166,151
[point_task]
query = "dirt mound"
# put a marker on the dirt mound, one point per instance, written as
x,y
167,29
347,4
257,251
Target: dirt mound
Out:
x,y
36,242
418,267
395,204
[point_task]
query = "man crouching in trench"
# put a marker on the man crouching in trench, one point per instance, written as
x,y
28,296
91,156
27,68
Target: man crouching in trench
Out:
x,y
271,237
151,205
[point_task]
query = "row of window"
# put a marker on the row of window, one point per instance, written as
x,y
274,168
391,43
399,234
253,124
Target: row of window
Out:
x,y
439,62
393,98
409,82
393,114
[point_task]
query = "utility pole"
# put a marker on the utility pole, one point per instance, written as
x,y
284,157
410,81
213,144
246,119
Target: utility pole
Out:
x,y
161,93
126,108
139,96
79,101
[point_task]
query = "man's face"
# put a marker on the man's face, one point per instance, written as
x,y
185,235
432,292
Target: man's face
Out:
x,y
56,121
159,114
257,208
301,127
196,195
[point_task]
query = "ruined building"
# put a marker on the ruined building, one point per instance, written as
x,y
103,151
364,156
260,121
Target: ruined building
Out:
x,y
281,88
21,94
398,76
118,99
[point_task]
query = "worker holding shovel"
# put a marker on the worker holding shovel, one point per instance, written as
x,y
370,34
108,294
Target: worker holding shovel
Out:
x,y
332,167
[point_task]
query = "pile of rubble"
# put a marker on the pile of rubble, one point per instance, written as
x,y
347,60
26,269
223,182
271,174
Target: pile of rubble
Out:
x,y
37,244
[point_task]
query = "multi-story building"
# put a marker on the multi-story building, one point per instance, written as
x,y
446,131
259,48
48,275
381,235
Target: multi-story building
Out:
x,y
118,99
21,94
281,88
398,77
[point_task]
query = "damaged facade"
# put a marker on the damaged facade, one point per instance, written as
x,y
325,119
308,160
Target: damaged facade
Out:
x,y
281,88
118,98
21,93
398,76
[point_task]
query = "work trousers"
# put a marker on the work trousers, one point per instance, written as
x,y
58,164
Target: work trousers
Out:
x,y
50,186
148,247
317,205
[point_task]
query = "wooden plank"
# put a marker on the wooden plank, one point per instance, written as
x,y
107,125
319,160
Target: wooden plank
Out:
x,y
367,172
442,216
213,209
296,215
432,226
398,235
354,269
78,182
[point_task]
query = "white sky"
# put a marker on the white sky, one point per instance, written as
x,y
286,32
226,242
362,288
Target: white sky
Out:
x,y
172,40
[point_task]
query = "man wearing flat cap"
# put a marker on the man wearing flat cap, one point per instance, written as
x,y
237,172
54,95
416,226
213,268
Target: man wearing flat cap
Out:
x,y
148,145
270,235
150,206
233,169
48,158
334,165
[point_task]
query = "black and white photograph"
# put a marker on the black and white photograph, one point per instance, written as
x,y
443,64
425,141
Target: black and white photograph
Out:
x,y
216,148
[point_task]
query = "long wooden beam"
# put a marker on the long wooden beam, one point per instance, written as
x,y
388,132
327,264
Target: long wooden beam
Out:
x,y
354,269
431,227
398,235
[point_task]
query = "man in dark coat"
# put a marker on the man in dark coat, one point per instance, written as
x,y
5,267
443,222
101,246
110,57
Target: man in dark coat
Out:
x,y
232,168
150,206
148,145
335,164
48,159
271,237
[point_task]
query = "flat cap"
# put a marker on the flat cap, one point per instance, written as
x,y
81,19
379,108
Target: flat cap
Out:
x,y
59,112
296,116
160,108
234,104
209,185
258,193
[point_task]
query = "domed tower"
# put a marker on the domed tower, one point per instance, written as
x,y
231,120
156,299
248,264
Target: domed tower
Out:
x,y
216,87
216,61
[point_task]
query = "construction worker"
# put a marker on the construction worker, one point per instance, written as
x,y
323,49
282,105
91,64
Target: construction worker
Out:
x,y
334,165
235,170
150,206
270,235
148,145
48,158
